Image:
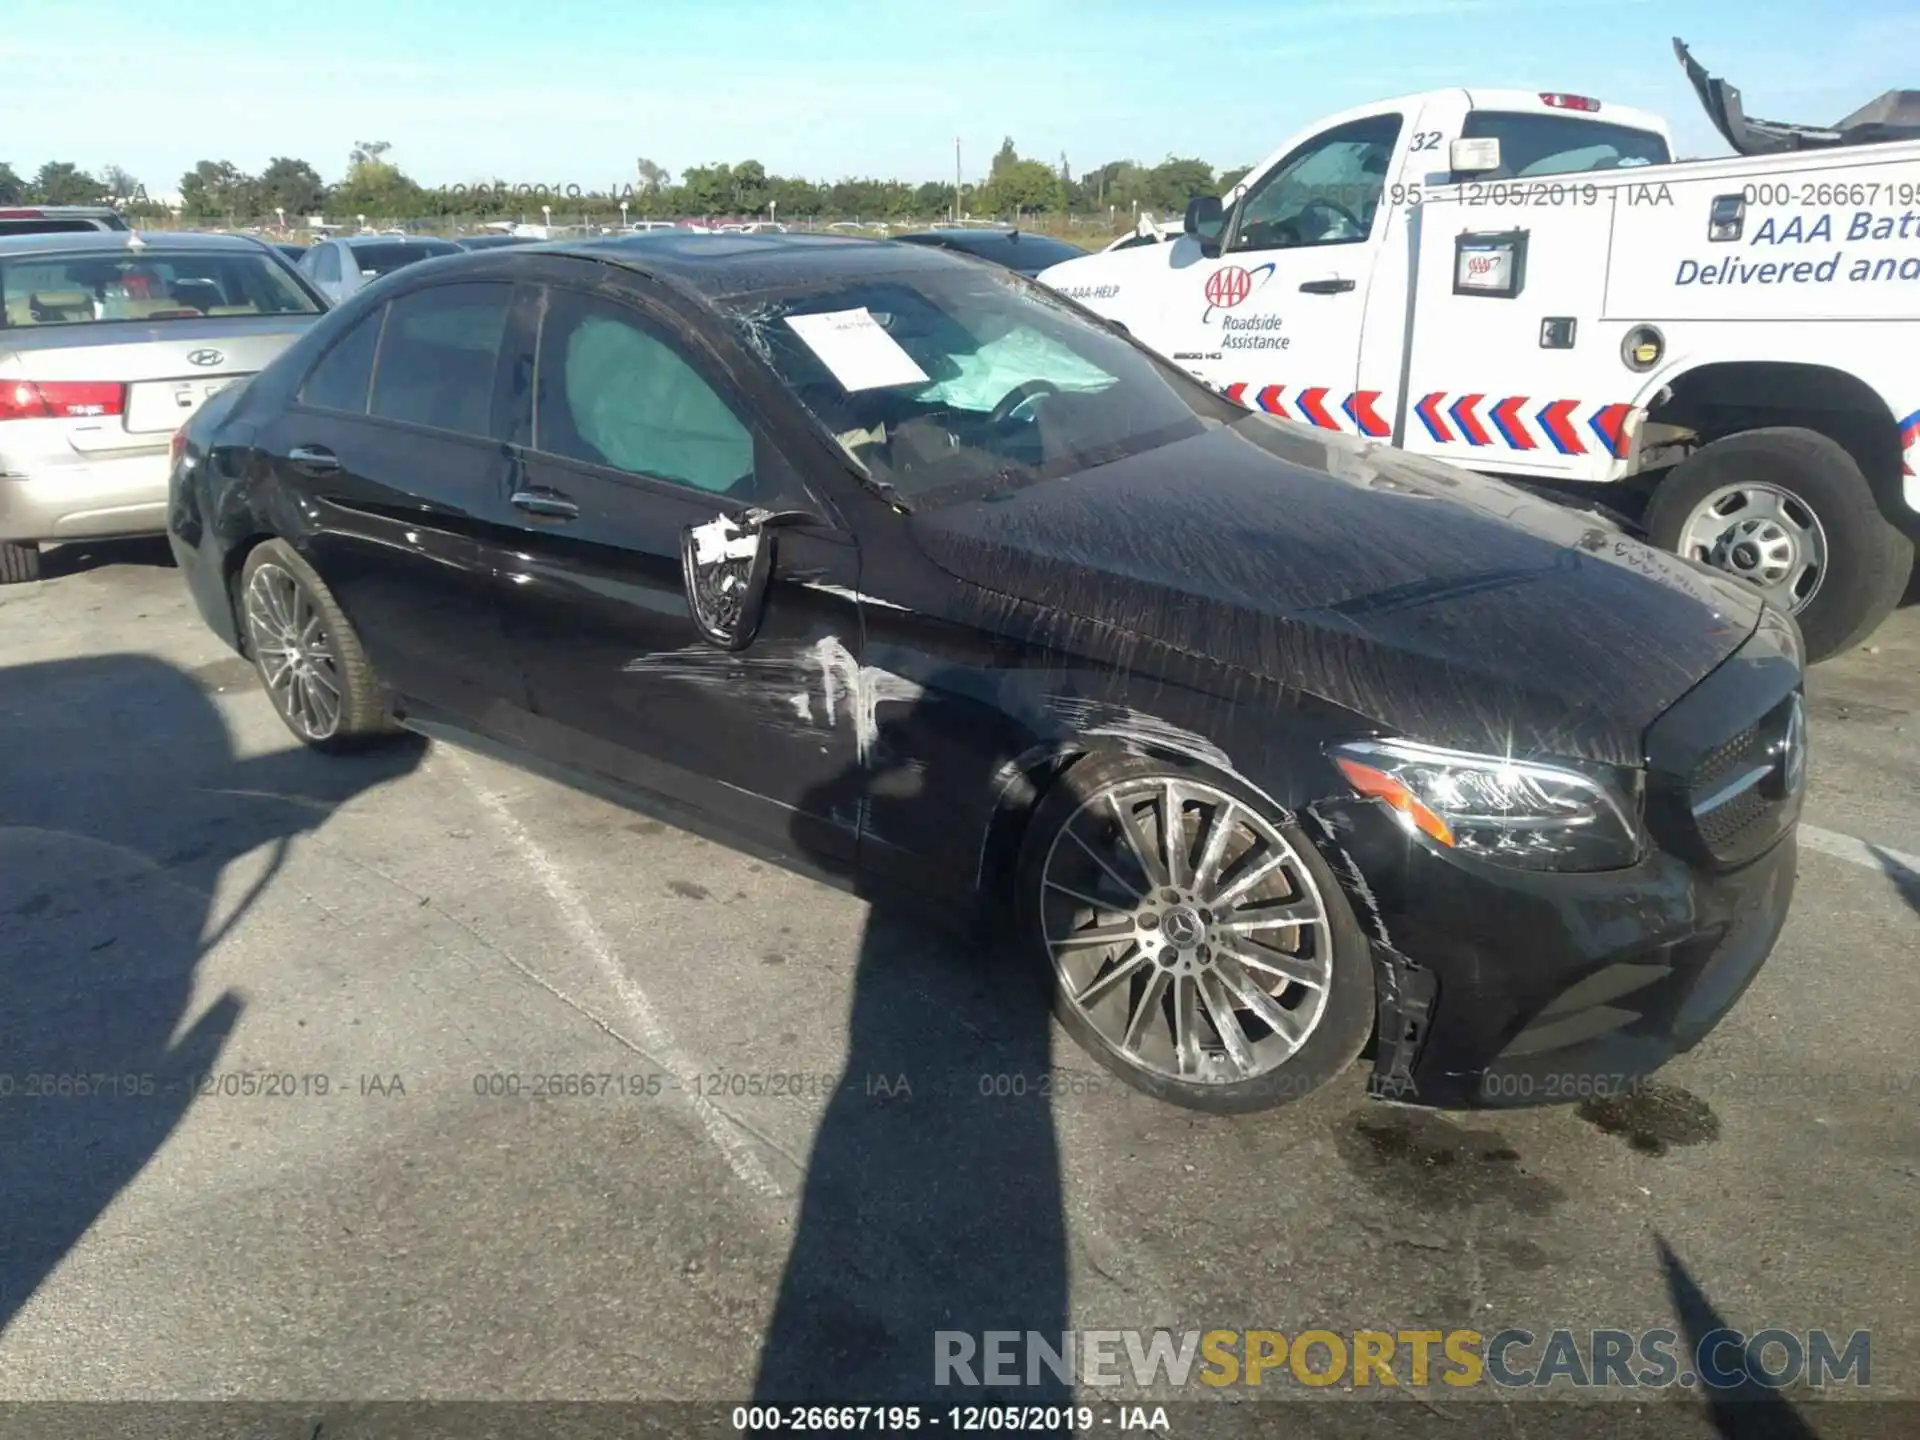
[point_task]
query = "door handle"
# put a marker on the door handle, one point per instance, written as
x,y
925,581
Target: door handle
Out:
x,y
542,501
313,459
1326,287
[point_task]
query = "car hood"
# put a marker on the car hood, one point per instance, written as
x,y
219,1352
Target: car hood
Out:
x,y
1435,602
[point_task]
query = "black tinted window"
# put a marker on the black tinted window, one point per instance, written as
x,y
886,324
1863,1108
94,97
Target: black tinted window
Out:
x,y
46,227
613,391
1560,144
385,259
1016,251
340,380
437,357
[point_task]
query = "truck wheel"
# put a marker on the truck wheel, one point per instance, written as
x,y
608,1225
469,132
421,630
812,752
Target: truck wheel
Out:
x,y
18,563
1788,511
1195,942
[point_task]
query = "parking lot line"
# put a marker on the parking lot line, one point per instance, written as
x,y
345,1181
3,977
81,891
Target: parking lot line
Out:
x,y
1896,865
722,1129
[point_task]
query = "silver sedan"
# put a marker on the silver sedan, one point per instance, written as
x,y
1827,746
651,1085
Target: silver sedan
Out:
x,y
109,341
338,267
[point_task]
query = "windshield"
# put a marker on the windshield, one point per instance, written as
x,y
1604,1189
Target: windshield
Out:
x,y
385,259
1561,144
127,285
950,383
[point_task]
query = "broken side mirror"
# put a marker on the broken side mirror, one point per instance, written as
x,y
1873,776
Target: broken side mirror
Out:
x,y
1206,221
726,565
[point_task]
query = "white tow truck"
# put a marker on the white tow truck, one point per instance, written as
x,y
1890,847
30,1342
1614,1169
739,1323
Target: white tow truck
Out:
x,y
1530,285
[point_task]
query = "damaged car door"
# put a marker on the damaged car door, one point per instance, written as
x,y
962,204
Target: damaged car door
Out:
x,y
643,489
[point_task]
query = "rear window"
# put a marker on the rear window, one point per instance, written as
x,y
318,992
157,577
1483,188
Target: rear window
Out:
x,y
385,259
48,227
127,285
1560,144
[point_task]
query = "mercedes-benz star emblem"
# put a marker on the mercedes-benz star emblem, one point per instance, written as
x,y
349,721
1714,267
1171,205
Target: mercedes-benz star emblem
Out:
x,y
1793,762
1182,926
206,357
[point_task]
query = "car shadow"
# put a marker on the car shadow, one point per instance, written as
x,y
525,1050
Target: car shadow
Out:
x,y
76,557
1748,1411
932,1201
125,801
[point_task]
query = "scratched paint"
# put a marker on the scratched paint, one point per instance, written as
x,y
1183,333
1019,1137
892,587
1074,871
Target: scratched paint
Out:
x,y
846,686
859,597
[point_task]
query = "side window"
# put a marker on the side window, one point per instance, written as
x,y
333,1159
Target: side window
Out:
x,y
612,390
1325,193
341,379
437,357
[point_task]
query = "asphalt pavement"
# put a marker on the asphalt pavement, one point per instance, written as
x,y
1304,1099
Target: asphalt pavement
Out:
x,y
327,991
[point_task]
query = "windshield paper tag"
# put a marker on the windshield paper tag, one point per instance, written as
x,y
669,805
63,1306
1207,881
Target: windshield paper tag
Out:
x,y
861,355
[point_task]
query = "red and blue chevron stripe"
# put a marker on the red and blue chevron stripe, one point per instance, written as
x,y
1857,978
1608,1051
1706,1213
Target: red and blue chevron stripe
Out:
x,y
1470,419
1909,437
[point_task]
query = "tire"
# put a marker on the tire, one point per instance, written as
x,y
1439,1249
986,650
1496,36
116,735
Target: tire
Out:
x,y
1130,985
18,563
329,653
1866,561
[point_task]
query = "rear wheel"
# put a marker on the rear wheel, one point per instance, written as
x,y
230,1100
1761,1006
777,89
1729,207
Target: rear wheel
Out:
x,y
1789,511
307,654
18,563
1196,944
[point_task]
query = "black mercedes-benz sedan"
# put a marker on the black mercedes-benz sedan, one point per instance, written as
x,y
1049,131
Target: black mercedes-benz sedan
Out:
x,y
1268,746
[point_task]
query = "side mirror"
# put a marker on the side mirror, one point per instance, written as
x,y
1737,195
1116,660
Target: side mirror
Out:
x,y
725,565
1474,157
1206,217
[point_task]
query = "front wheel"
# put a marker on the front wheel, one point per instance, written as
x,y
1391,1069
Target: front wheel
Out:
x,y
1195,942
306,652
1789,511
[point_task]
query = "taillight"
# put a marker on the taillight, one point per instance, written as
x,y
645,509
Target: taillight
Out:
x,y
1570,102
60,399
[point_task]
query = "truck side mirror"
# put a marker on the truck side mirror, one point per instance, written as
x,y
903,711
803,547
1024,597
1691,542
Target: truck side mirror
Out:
x,y
1206,220
1474,157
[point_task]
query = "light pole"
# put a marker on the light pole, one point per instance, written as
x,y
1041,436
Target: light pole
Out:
x,y
280,213
773,212
546,212
623,214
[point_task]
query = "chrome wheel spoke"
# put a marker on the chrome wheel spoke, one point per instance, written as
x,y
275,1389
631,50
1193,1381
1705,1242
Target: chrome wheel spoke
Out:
x,y
1282,966
1206,874
1085,899
1220,1014
1270,1012
1133,891
1291,916
1173,832
1249,878
1093,935
1145,1010
1124,816
1102,985
1186,1030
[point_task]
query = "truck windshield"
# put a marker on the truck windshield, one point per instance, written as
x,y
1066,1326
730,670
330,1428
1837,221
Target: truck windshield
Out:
x,y
1560,144
951,382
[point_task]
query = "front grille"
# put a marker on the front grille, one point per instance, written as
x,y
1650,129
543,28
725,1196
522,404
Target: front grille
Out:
x,y
1740,791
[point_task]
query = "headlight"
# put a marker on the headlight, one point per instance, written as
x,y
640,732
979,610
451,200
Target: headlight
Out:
x,y
1561,816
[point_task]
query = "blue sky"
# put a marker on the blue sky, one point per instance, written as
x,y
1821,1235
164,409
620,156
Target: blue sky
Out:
x,y
571,91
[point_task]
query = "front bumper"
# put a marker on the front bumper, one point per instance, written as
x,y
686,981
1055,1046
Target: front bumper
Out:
x,y
1516,989
1506,987
126,495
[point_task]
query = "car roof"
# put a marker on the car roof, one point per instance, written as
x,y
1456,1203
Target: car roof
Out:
x,y
359,240
151,242
715,265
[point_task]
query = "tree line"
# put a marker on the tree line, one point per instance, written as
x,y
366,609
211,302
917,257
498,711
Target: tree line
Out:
x,y
374,185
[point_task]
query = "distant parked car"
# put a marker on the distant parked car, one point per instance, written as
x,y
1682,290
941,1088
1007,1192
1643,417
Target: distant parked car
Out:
x,y
291,251
1018,251
59,219
340,266
109,341
491,242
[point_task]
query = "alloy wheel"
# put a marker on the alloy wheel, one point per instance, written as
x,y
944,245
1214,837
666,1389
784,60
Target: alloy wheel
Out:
x,y
294,653
1186,930
1767,536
